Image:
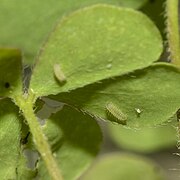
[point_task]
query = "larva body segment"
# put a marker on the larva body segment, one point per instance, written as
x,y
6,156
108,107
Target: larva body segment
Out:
x,y
59,73
115,114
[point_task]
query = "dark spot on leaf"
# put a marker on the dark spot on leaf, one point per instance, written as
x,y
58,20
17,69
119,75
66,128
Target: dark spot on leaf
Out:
x,y
151,1
6,85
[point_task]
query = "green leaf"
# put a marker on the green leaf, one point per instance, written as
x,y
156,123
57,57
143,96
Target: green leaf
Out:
x,y
25,24
10,72
145,140
10,128
124,166
132,3
75,139
93,44
23,172
153,90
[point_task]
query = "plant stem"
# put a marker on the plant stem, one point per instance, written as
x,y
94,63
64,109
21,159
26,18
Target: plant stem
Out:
x,y
26,106
173,30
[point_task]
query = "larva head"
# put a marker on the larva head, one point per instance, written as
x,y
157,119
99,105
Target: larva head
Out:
x,y
10,72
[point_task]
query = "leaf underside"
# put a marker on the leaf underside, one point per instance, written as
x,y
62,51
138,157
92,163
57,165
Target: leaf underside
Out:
x,y
153,90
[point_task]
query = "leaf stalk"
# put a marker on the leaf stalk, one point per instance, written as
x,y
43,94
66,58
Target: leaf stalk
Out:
x,y
26,106
173,30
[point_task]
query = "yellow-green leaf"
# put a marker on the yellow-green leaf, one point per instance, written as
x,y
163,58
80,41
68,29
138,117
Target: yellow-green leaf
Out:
x,y
119,166
93,44
10,72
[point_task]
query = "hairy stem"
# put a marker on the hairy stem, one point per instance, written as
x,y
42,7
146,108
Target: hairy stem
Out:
x,y
26,106
173,30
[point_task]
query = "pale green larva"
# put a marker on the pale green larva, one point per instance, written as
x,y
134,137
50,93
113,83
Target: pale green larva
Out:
x,y
116,115
59,74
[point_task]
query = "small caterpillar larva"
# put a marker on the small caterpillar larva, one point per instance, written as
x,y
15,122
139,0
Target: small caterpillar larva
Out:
x,y
116,115
59,74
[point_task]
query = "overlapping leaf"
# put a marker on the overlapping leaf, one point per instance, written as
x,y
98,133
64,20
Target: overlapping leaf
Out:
x,y
10,129
93,44
10,72
75,139
25,24
145,140
154,91
124,166
22,171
